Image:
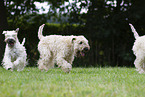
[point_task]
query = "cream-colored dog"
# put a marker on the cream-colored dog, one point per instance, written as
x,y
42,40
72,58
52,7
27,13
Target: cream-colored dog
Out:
x,y
139,51
15,53
60,50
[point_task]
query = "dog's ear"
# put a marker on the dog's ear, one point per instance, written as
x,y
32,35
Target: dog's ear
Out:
x,y
4,32
73,39
17,30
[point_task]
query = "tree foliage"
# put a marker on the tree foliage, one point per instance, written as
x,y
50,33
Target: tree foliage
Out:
x,y
105,25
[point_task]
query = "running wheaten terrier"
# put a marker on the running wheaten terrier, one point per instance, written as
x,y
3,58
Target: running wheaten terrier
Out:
x,y
139,51
60,50
15,53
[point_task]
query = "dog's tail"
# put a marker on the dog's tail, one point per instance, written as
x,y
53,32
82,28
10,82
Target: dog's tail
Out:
x,y
40,31
134,31
23,42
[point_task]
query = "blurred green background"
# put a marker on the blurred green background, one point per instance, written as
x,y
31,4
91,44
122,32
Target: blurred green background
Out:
x,y
103,22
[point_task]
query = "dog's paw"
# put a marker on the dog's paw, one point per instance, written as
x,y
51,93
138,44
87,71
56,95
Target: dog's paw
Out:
x,y
16,63
8,67
66,67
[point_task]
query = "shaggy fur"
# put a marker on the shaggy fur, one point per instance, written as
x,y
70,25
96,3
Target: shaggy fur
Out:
x,y
60,50
139,51
15,53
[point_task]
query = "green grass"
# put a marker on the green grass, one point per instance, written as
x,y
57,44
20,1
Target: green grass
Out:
x,y
81,82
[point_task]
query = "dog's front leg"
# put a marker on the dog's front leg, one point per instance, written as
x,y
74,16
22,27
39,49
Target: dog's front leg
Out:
x,y
16,63
65,66
19,61
7,62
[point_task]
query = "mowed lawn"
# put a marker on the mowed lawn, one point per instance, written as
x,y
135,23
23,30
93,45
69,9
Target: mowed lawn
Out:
x,y
81,82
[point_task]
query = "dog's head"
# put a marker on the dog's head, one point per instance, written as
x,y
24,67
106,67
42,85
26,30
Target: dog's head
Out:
x,y
81,45
11,37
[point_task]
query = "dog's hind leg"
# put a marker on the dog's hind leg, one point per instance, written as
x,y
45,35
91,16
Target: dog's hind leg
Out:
x,y
140,65
45,61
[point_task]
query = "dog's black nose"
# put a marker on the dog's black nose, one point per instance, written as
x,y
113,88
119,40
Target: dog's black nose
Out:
x,y
86,49
10,40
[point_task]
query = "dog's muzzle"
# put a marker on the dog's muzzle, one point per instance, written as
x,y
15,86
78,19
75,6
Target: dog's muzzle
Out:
x,y
82,53
11,42
86,49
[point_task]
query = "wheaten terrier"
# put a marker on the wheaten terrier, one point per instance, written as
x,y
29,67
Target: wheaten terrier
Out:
x,y
15,53
139,51
60,50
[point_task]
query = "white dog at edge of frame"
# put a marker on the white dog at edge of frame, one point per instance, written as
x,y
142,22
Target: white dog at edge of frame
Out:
x,y
139,51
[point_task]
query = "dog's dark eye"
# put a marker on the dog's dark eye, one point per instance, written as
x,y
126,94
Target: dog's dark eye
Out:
x,y
81,42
